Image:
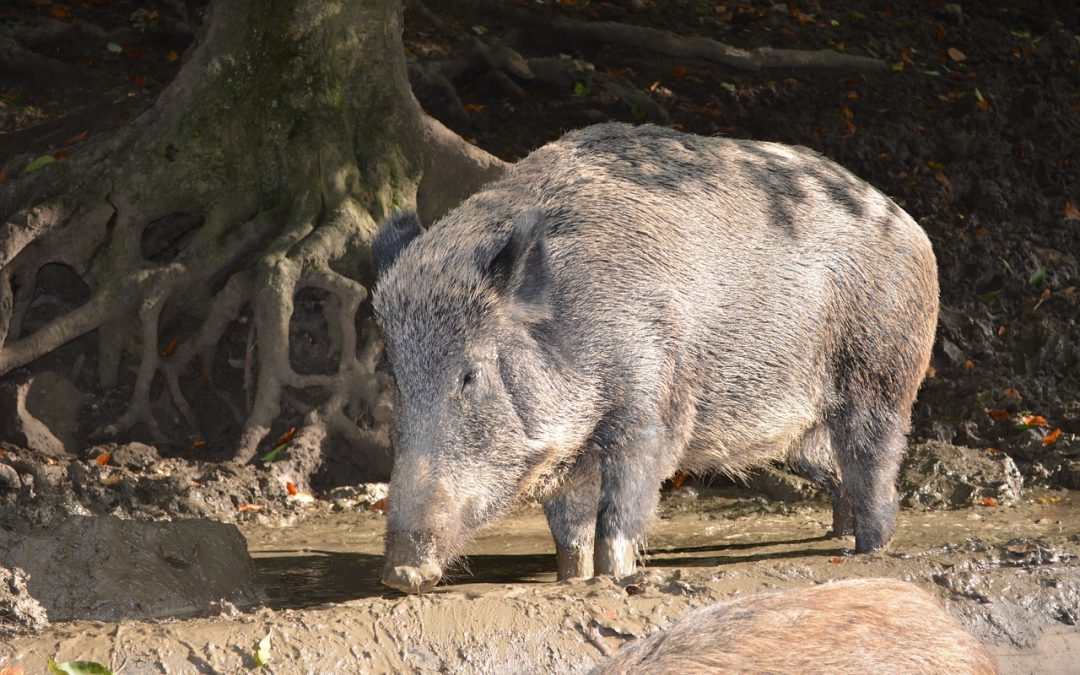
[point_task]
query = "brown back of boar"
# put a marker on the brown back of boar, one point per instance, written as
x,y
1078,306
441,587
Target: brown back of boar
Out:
x,y
857,626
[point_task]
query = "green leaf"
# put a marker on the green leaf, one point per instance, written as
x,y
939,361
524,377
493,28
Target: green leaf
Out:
x,y
580,89
1007,266
78,668
1037,276
834,23
480,30
637,112
272,455
992,294
262,654
113,48
978,94
727,85
858,15
932,73
44,160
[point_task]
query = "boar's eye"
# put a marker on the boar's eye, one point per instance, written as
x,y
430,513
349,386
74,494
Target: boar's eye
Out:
x,y
469,378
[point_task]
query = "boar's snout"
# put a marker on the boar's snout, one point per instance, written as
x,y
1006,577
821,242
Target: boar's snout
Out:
x,y
411,579
410,565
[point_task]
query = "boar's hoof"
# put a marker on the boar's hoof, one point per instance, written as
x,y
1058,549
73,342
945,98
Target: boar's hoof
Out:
x,y
614,556
412,579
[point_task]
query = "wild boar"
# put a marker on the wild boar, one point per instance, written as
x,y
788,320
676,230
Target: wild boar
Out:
x,y
856,626
630,301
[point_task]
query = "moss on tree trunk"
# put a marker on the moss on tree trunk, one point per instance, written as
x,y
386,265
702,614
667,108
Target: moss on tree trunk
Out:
x,y
289,132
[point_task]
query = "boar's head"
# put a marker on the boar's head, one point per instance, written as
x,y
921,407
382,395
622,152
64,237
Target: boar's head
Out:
x,y
463,314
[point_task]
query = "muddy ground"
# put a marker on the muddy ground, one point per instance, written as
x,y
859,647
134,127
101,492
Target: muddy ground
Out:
x,y
972,128
1010,574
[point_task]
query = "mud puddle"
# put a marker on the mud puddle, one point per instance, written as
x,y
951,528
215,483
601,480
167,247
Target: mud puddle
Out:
x,y
1011,575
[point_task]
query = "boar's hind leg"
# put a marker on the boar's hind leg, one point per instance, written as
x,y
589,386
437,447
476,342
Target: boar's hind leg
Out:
x,y
869,446
571,515
633,463
813,459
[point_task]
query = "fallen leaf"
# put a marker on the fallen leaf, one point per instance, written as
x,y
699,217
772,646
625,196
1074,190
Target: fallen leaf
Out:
x,y
836,560
567,3
379,505
631,589
286,437
12,671
172,56
1068,289
138,80
969,364
109,481
930,372
169,349
44,160
102,459
272,455
290,487
989,501
906,55
475,107
944,180
78,668
955,54
982,232
3,176
846,112
198,443
1034,421
936,166
60,12
680,71
262,653
1052,437
1071,212
940,34
60,154
1002,330
1041,500
77,138
244,508
679,479
853,95
998,414
134,53
1012,393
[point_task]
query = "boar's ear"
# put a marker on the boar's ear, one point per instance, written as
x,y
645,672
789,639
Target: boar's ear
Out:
x,y
393,236
521,270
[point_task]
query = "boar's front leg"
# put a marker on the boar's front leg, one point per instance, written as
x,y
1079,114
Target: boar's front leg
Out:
x,y
634,460
571,515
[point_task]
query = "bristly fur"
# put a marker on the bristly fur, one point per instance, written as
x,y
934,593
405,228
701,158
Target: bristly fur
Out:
x,y
628,301
856,626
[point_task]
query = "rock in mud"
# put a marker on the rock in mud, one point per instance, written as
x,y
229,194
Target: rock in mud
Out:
x,y
781,485
938,475
130,455
18,609
42,413
110,569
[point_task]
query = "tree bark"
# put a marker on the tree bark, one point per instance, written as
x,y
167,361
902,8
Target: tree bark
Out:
x,y
288,133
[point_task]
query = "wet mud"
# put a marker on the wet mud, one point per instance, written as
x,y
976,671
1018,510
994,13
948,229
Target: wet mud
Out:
x,y
1010,574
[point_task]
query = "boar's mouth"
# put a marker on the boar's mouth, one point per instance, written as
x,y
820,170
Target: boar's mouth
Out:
x,y
411,563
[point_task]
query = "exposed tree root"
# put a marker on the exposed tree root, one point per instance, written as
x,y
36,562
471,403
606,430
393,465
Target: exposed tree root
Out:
x,y
288,195
680,46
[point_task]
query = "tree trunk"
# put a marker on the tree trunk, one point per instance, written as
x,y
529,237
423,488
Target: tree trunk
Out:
x,y
260,171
